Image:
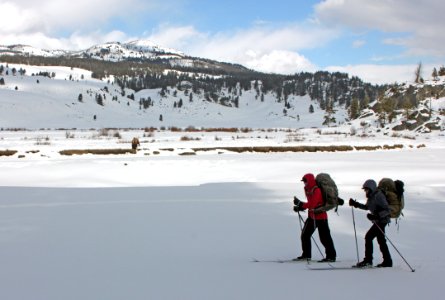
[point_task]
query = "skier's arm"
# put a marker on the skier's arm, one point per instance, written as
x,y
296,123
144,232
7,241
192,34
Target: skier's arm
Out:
x,y
356,204
314,201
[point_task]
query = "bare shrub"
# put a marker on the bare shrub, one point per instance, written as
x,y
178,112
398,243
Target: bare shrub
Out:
x,y
117,134
188,138
353,130
43,141
294,137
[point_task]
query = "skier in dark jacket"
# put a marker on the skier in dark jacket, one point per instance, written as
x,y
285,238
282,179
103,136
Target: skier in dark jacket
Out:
x,y
314,220
380,216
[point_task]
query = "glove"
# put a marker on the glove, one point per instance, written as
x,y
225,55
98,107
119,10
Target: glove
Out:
x,y
298,208
371,217
298,205
352,202
341,201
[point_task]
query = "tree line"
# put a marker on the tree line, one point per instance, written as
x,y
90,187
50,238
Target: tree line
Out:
x,y
211,78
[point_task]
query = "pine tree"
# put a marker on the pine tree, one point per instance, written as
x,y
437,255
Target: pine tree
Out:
x,y
435,74
407,106
311,109
418,73
354,109
328,118
386,110
99,99
365,102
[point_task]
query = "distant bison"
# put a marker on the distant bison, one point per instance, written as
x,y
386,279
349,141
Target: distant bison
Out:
x,y
135,143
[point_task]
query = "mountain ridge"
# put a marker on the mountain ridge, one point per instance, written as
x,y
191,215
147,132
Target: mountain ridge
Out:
x,y
152,85
136,47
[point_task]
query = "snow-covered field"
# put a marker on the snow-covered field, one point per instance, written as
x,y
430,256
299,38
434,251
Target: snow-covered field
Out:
x,y
159,225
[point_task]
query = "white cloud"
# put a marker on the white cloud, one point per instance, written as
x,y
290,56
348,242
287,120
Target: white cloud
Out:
x,y
423,21
76,41
82,41
40,23
383,74
176,37
261,48
279,61
62,24
17,20
53,16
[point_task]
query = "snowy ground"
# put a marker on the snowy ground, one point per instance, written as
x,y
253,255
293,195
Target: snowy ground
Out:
x,y
166,226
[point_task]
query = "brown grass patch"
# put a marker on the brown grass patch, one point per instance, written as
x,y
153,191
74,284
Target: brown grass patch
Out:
x,y
389,147
272,149
97,151
265,149
187,153
367,148
7,152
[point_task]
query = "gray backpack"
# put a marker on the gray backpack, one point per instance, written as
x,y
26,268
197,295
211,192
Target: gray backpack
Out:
x,y
329,192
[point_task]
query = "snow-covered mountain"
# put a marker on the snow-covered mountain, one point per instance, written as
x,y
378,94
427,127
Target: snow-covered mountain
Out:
x,y
178,90
26,50
112,51
134,51
139,49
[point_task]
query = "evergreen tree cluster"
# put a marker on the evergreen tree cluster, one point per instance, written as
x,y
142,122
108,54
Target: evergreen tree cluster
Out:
x,y
324,87
217,82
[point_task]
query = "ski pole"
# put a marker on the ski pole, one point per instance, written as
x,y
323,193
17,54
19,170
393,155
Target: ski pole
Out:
x,y
312,237
412,270
300,219
355,233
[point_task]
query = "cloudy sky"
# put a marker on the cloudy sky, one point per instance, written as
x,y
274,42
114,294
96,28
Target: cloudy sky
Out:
x,y
378,40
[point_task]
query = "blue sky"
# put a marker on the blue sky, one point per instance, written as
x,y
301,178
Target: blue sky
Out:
x,y
379,40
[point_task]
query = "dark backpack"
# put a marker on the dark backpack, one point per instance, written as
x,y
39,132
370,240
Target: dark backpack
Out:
x,y
329,191
393,191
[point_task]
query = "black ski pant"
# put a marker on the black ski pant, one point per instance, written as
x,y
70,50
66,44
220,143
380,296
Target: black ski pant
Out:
x,y
325,237
376,231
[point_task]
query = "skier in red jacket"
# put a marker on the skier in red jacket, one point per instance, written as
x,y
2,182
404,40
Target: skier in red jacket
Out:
x,y
314,220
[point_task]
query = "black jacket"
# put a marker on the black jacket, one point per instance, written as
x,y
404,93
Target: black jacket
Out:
x,y
376,203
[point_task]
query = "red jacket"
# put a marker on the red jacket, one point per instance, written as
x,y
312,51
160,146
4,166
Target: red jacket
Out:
x,y
314,197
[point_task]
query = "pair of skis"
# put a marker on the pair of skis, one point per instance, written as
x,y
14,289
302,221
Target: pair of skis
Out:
x,y
314,265
337,267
